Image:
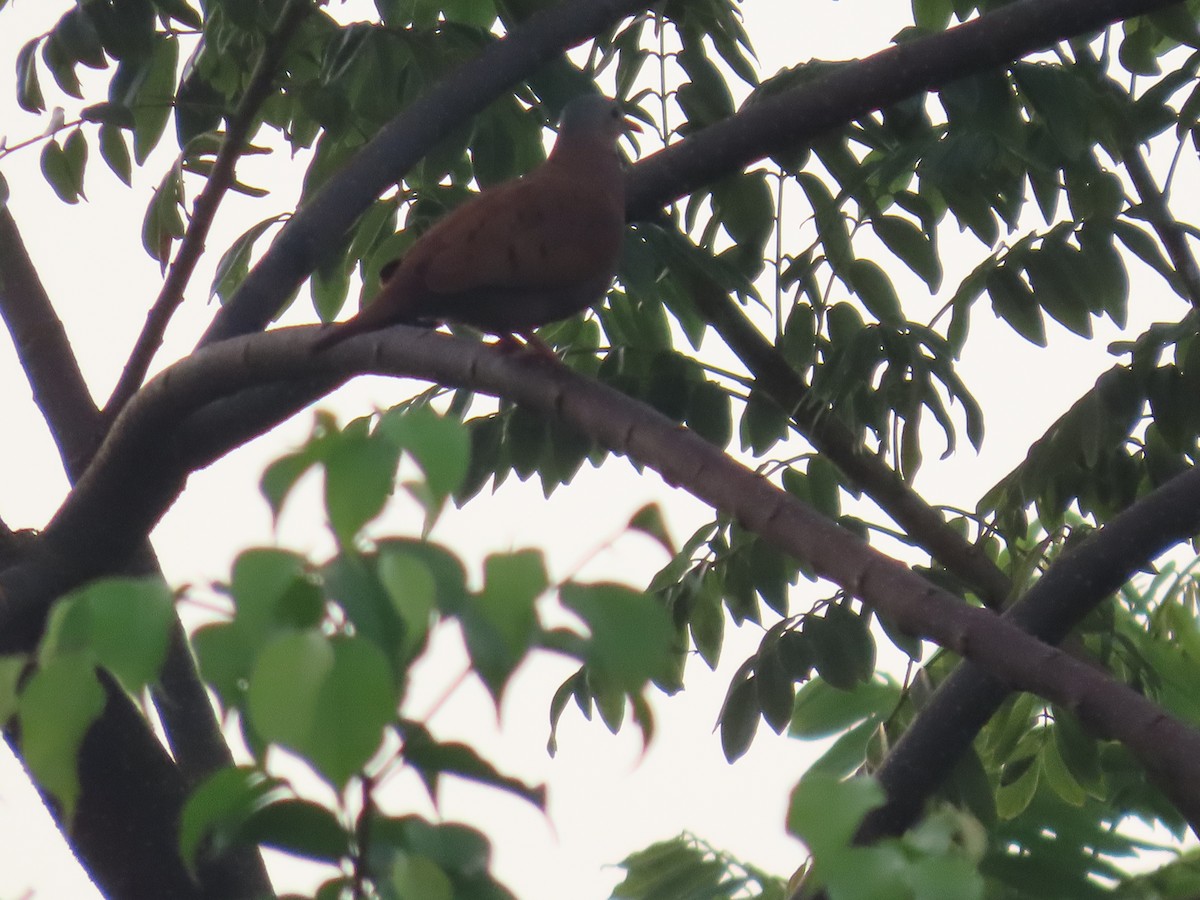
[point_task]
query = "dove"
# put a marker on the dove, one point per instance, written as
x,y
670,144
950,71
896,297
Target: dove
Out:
x,y
523,253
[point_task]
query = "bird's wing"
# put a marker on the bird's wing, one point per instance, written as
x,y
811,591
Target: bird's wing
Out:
x,y
536,232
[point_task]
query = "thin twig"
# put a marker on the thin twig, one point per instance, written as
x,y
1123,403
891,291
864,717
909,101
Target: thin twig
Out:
x,y
204,211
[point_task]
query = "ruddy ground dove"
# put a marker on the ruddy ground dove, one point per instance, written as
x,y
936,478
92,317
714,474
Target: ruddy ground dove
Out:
x,y
523,253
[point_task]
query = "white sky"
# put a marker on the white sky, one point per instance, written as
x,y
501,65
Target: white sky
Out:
x,y
606,799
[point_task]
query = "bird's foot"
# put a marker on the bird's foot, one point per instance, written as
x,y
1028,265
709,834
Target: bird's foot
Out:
x,y
532,344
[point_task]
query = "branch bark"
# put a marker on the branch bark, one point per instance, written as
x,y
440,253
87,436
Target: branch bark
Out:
x,y
124,827
821,427
144,463
44,352
319,226
794,118
237,133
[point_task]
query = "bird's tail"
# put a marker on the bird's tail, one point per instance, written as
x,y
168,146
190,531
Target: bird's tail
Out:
x,y
339,331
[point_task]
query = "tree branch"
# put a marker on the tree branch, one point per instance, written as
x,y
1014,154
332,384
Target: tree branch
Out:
x,y
45,352
866,471
143,463
237,133
1071,588
118,802
795,117
320,225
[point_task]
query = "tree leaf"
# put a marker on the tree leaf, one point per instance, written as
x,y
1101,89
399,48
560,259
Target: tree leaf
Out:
x,y
29,90
326,699
56,707
500,625
873,287
154,98
631,634
1013,301
739,719
56,169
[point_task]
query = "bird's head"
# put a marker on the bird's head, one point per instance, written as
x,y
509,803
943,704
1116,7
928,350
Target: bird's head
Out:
x,y
594,118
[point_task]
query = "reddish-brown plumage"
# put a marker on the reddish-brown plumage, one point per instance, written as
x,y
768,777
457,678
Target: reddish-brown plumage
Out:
x,y
521,254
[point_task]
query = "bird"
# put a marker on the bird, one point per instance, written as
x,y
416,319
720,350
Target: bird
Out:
x,y
522,253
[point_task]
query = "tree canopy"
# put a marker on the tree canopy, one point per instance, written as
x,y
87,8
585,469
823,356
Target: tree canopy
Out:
x,y
811,258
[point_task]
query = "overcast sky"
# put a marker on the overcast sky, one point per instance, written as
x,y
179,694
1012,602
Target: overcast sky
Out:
x,y
606,798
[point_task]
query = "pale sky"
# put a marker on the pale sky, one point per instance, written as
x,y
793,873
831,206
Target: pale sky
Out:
x,y
606,798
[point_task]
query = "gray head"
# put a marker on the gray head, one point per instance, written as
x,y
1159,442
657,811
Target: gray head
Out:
x,y
591,116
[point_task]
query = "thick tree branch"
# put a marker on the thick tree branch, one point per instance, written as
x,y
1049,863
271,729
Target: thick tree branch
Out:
x,y
866,471
320,225
789,119
123,828
1071,588
966,701
142,464
794,118
237,133
45,352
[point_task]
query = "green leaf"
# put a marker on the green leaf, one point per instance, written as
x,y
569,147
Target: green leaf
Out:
x,y
219,807
945,876
706,619
631,634
419,876
29,90
432,758
831,223
329,286
235,262
932,15
763,423
359,473
824,811
1013,301
273,590
501,623
746,207
843,647
1014,796
1145,248
912,246
776,692
413,592
58,172
328,700
114,151
872,285
163,222
61,65
1058,777
822,710
1056,288
75,151
739,719
130,622
441,445
299,827
796,656
57,707
280,476
154,97
649,520
225,655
